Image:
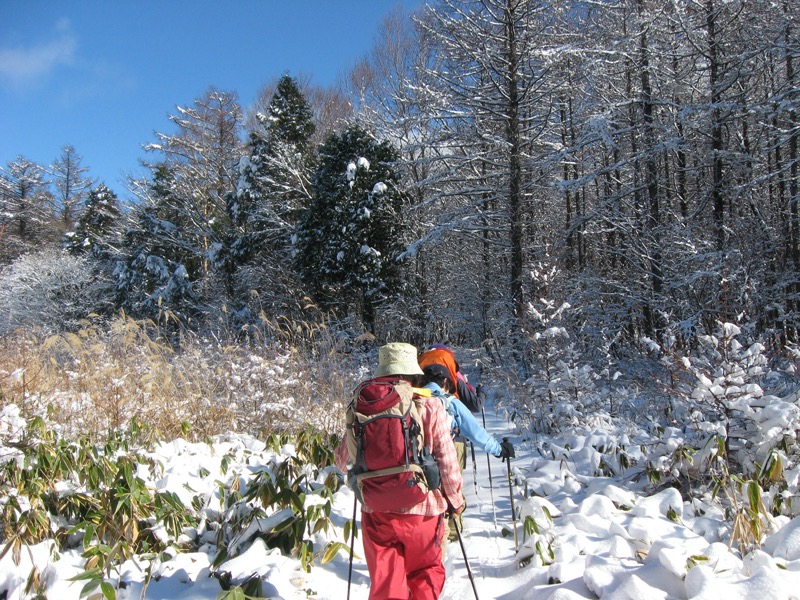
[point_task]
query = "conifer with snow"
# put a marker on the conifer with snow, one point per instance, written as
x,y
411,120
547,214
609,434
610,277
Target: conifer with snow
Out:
x,y
272,190
350,238
96,223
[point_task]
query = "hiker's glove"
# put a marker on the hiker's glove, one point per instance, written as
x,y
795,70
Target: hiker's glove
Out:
x,y
451,512
481,392
506,450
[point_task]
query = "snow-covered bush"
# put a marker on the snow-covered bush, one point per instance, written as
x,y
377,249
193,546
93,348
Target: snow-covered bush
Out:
x,y
50,290
120,499
758,430
563,389
728,392
730,439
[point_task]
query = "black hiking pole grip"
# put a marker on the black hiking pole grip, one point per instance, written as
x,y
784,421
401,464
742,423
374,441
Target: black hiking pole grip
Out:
x,y
466,562
511,494
352,543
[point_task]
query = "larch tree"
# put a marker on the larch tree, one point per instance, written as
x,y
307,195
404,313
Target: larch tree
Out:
x,y
674,168
487,79
26,215
71,185
201,157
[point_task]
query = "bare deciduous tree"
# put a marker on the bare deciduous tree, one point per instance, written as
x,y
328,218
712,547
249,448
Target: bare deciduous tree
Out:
x,y
71,185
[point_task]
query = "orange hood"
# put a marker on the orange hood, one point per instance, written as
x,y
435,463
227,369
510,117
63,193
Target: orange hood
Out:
x,y
440,356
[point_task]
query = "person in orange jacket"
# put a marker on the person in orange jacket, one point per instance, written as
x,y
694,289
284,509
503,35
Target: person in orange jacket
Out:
x,y
439,354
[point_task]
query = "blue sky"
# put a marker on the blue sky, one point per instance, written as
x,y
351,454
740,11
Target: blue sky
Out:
x,y
103,75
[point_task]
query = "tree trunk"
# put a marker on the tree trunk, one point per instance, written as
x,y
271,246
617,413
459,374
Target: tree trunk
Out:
x,y
515,161
717,198
794,190
653,218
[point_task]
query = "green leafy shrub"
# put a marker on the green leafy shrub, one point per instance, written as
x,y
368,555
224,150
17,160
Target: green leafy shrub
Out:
x,y
285,505
67,490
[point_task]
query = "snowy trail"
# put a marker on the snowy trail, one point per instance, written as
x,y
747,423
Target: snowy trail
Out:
x,y
489,546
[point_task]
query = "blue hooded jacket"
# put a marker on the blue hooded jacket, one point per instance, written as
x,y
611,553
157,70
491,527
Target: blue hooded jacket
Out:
x,y
463,420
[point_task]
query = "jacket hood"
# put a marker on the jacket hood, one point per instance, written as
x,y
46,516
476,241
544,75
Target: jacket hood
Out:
x,y
440,356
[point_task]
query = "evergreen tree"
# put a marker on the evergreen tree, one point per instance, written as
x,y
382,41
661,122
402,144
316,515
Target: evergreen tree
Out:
x,y
156,277
330,107
95,224
350,239
395,100
274,180
272,191
290,120
290,161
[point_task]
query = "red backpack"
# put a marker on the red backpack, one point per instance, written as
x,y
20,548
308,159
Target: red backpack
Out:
x,y
386,442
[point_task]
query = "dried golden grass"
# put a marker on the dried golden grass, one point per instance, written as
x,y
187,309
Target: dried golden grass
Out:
x,y
102,377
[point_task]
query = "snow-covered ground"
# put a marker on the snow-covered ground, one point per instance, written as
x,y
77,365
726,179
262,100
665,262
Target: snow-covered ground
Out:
x,y
594,537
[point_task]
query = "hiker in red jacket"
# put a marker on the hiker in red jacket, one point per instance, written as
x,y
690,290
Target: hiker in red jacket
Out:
x,y
404,546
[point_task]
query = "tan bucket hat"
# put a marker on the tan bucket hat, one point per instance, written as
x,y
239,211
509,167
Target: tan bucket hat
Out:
x,y
397,358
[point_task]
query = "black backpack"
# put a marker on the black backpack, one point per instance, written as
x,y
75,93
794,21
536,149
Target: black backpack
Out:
x,y
468,396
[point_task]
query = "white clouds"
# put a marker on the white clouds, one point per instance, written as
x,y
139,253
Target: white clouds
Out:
x,y
28,65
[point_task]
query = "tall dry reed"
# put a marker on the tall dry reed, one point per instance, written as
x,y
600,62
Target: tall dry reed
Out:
x,y
100,378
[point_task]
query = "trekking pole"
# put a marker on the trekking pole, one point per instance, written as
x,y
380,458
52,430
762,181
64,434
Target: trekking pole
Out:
x,y
513,509
489,465
352,543
464,552
474,467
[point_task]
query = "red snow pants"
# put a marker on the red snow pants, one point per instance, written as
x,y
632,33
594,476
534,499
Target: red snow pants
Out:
x,y
404,555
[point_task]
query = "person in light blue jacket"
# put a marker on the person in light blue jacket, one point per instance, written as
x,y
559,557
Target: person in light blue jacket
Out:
x,y
462,424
